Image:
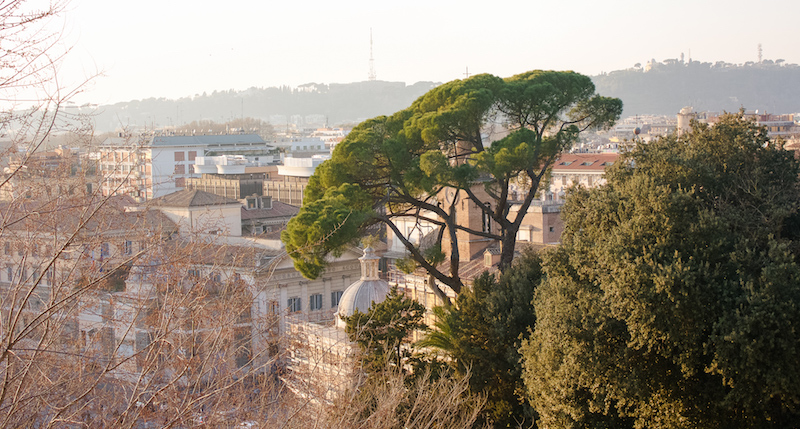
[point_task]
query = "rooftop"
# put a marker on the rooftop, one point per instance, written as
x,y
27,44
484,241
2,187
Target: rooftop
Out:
x,y
188,140
191,198
585,161
278,210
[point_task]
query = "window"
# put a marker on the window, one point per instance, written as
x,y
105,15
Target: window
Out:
x,y
179,156
315,302
104,250
10,273
127,247
192,155
336,296
487,220
194,273
294,305
180,169
552,229
180,182
7,248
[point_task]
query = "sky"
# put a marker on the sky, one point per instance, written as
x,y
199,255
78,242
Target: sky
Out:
x,y
178,48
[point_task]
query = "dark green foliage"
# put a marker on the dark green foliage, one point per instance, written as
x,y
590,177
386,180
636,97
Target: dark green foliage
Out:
x,y
482,333
674,300
381,331
331,221
402,165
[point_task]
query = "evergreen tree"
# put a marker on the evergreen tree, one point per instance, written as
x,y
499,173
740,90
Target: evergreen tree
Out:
x,y
674,299
482,332
381,331
425,161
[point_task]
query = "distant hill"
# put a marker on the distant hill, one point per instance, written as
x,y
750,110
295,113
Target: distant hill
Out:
x,y
663,89
336,103
667,87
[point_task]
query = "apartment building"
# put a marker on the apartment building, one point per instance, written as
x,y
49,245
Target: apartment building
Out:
x,y
147,167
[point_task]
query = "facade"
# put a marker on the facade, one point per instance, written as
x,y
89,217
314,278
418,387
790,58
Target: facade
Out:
x,y
73,269
584,169
330,136
292,178
62,171
234,186
201,212
148,167
261,215
321,358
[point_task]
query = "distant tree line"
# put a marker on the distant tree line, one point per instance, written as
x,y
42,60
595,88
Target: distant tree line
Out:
x,y
664,90
338,103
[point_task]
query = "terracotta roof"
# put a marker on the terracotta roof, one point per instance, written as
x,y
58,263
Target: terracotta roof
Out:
x,y
585,161
191,198
472,269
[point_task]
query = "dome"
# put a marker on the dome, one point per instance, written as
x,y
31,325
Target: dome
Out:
x,y
368,289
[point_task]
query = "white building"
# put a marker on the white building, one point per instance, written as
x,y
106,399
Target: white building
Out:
x,y
149,167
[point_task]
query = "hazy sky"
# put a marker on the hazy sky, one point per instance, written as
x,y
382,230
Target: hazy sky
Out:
x,y
176,48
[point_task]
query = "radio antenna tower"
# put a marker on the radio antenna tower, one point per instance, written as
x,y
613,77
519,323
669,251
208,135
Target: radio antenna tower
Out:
x,y
372,75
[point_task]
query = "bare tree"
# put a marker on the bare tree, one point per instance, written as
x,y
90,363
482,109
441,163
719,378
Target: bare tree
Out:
x,y
109,317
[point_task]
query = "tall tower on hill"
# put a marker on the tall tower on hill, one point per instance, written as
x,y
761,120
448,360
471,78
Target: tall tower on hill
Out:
x,y
372,74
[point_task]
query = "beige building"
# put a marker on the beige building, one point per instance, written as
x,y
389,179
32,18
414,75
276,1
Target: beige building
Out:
x,y
290,182
321,358
583,169
233,186
201,212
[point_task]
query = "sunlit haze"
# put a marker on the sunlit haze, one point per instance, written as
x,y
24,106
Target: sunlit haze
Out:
x,y
175,49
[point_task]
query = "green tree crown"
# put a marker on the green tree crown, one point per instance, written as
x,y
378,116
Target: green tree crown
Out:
x,y
673,299
401,165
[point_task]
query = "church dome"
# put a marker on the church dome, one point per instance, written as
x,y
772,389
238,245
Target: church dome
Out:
x,y
361,294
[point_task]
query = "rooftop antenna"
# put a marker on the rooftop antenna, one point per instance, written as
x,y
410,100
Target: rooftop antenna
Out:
x,y
466,74
372,74
759,53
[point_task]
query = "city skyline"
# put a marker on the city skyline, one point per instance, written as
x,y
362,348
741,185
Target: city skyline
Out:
x,y
179,49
